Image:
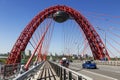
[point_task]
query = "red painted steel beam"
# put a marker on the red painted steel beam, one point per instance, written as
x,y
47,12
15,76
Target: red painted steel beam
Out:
x,y
96,44
39,56
39,43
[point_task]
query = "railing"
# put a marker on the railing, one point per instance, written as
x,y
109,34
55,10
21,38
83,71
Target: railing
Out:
x,y
30,73
111,63
67,74
8,70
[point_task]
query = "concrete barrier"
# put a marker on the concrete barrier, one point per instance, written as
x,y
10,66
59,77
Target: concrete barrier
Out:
x,y
111,63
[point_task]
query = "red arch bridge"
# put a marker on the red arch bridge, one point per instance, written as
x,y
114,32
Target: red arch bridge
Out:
x,y
38,34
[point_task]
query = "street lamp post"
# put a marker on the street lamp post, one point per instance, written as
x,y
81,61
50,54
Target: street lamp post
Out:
x,y
78,49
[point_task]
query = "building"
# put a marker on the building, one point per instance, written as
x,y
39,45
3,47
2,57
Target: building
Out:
x,y
28,53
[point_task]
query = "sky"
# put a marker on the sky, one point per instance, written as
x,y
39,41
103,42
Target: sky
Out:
x,y
16,14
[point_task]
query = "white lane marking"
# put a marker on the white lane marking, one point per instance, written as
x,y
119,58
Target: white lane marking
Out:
x,y
100,75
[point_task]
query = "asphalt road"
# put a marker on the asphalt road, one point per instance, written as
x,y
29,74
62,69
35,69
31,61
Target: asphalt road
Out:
x,y
103,72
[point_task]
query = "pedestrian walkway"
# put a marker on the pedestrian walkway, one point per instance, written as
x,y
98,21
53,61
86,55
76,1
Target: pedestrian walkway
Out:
x,y
47,73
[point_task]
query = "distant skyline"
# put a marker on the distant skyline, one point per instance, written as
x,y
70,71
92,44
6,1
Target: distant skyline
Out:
x,y
16,14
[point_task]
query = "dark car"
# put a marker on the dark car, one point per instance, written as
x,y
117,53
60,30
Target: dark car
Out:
x,y
89,65
64,62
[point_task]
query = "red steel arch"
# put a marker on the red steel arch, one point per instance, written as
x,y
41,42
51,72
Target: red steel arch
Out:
x,y
96,44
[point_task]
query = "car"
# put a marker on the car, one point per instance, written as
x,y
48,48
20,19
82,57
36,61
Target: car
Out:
x,y
89,65
64,62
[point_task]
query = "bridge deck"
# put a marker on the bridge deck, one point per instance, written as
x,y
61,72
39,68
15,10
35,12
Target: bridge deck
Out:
x,y
47,73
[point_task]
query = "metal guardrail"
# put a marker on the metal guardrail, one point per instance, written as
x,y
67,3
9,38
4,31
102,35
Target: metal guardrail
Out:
x,y
111,63
66,73
8,70
29,73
